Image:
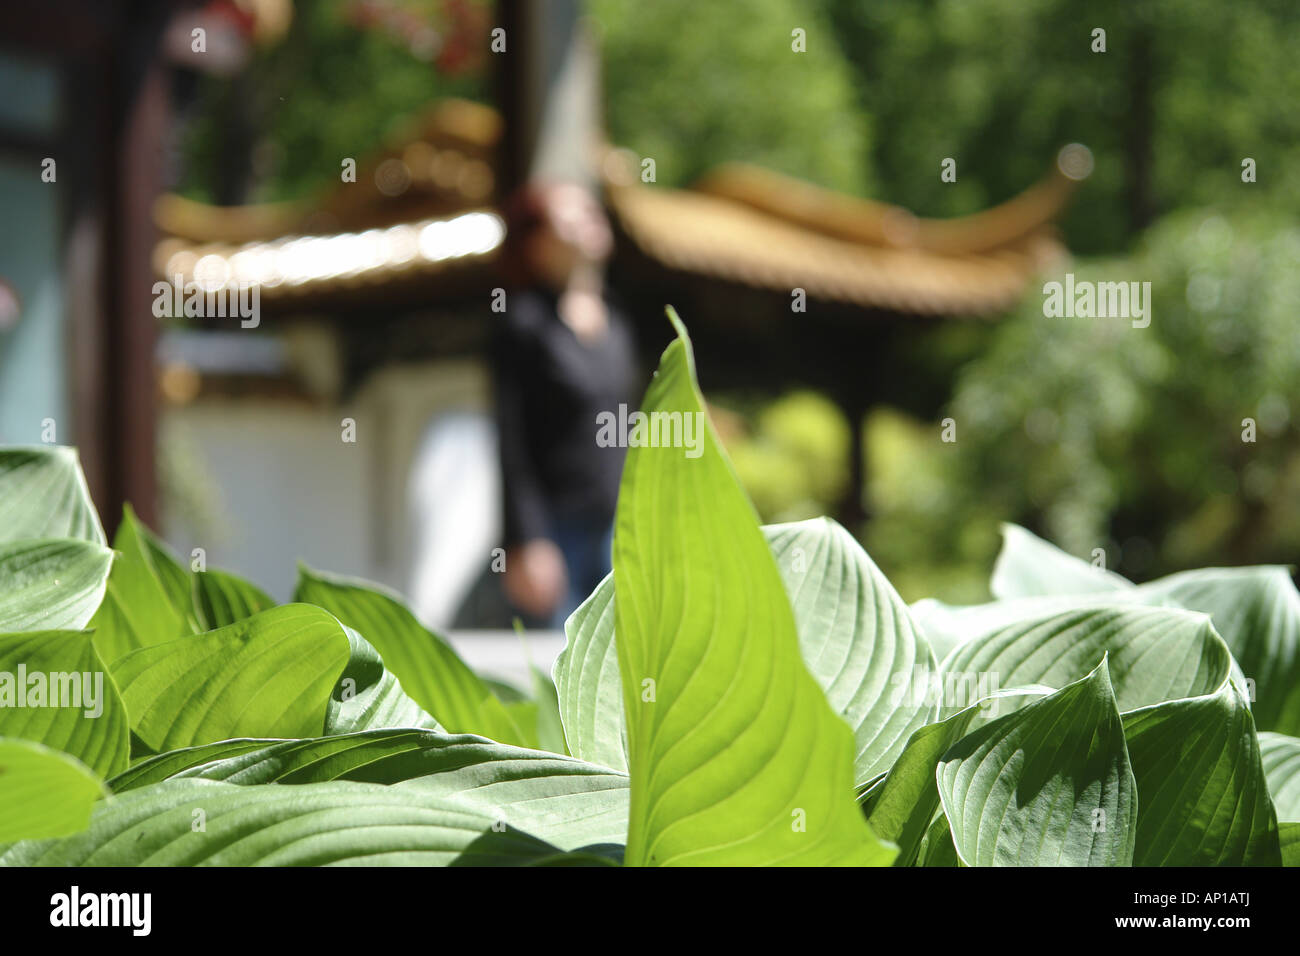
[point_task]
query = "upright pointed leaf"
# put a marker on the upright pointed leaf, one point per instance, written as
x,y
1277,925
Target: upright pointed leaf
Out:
x,y
51,584
1049,785
1204,801
735,756
43,494
855,634
55,690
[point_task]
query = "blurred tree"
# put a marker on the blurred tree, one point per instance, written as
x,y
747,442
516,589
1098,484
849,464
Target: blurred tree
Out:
x,y
1184,92
692,85
348,73
1099,434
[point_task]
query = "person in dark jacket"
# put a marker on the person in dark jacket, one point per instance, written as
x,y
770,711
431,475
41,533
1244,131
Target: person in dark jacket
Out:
x,y
564,353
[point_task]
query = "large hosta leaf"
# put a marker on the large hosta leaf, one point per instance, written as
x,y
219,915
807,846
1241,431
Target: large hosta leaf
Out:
x,y
1257,610
947,626
735,756
1156,654
1028,566
43,792
287,672
562,800
1049,785
1203,799
43,494
902,807
857,638
855,633
1280,755
207,823
51,584
39,669
148,596
430,671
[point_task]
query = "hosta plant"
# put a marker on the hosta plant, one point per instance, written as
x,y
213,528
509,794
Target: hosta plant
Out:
x,y
731,695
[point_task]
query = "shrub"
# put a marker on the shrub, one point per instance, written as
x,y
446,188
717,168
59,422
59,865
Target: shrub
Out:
x,y
768,699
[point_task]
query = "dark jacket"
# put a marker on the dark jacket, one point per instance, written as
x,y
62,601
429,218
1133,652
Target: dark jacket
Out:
x,y
550,387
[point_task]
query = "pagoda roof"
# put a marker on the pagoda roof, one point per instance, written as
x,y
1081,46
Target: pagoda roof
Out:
x,y
427,207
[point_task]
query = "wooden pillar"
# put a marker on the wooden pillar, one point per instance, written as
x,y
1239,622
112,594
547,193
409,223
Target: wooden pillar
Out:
x,y
139,113
548,92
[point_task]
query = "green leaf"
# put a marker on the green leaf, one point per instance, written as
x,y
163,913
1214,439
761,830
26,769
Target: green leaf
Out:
x,y
587,682
936,848
735,756
1048,785
1257,610
948,626
1156,654
550,731
1204,800
145,603
1028,566
904,805
430,671
318,824
368,696
43,793
523,713
155,768
857,639
1289,839
51,584
562,800
280,673
41,668
855,634
222,598
1280,756
43,494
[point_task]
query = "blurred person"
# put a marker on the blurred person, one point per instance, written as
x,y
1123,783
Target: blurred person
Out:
x,y
564,353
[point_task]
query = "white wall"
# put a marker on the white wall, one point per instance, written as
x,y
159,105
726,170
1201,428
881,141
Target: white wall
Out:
x,y
261,484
